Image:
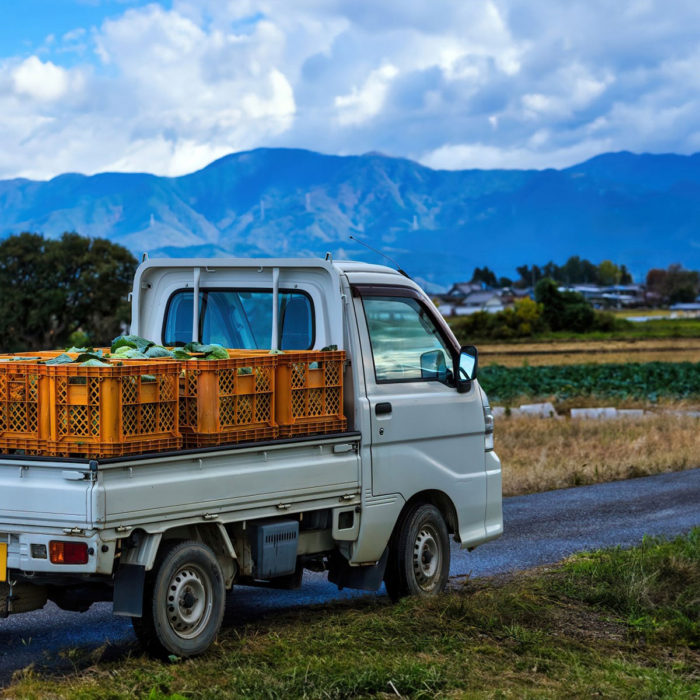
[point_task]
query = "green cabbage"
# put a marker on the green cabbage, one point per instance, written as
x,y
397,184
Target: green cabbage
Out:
x,y
132,341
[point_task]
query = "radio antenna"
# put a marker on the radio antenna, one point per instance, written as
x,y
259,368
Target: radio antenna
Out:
x,y
379,252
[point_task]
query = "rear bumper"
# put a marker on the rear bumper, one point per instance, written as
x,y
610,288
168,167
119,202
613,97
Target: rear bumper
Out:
x,y
26,559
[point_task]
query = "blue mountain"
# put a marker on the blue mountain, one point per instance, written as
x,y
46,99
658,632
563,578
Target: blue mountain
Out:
x,y
640,210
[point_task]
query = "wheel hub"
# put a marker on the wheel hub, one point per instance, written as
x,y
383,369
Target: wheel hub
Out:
x,y
189,604
426,558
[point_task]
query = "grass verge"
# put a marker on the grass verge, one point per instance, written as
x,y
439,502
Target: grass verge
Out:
x,y
615,623
539,454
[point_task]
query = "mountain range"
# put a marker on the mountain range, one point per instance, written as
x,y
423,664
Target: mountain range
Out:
x,y
640,210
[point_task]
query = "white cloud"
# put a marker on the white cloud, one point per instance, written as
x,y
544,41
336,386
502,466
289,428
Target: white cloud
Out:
x,y
483,157
40,81
363,104
512,83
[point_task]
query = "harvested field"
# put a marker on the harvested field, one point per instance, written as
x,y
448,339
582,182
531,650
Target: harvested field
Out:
x,y
539,454
582,352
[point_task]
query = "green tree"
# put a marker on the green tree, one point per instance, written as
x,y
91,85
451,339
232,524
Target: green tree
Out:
x,y
675,284
484,276
609,273
528,277
563,310
680,285
52,288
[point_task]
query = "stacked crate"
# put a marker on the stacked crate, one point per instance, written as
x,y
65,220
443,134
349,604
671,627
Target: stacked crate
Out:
x,y
19,407
74,410
139,406
228,401
309,397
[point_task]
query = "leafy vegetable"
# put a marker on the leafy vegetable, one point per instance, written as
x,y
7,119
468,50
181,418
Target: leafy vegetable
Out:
x,y
85,356
127,353
94,362
217,353
132,341
61,359
213,351
648,380
158,351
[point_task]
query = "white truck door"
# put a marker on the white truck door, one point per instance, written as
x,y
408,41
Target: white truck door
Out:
x,y
425,435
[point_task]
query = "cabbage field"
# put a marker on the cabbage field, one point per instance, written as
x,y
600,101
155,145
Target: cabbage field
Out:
x,y
648,381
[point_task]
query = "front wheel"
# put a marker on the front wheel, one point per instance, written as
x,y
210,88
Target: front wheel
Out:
x,y
184,601
419,554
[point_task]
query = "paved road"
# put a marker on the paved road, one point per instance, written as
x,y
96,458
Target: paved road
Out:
x,y
539,529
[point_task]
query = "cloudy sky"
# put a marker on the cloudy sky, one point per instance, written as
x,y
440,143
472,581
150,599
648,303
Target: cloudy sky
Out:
x,y
168,86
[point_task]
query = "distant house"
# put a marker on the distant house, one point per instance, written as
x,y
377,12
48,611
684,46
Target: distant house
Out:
x,y
687,306
459,290
614,296
484,300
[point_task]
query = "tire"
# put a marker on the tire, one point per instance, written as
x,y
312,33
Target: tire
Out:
x,y
184,600
419,554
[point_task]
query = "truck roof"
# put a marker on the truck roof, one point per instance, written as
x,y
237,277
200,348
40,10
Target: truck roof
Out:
x,y
340,265
358,266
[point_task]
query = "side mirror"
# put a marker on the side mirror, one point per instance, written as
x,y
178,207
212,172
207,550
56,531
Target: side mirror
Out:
x,y
433,365
467,367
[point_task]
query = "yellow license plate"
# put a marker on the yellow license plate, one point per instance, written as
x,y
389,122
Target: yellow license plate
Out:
x,y
3,561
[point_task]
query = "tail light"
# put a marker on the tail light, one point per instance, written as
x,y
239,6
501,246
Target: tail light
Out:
x,y
61,552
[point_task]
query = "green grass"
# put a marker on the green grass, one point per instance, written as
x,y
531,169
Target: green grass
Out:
x,y
631,380
655,588
614,623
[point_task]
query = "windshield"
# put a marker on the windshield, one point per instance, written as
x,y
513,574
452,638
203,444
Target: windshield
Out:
x,y
241,319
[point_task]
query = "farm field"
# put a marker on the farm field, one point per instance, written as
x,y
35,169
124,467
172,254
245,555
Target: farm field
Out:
x,y
612,623
650,382
660,375
592,351
539,454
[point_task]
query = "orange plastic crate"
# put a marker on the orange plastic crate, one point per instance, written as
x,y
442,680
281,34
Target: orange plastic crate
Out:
x,y
113,411
227,401
309,394
73,410
19,404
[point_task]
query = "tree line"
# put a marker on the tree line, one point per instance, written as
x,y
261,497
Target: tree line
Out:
x,y
61,292
574,271
671,285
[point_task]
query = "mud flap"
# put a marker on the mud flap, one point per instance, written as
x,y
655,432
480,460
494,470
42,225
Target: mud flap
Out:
x,y
128,590
365,578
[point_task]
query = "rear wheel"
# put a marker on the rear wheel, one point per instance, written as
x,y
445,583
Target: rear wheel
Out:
x,y
419,555
184,600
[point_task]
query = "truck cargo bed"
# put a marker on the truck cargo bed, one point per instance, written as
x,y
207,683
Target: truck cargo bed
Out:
x,y
229,483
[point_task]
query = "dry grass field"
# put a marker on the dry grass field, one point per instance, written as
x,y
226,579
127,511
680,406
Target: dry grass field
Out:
x,y
582,352
539,454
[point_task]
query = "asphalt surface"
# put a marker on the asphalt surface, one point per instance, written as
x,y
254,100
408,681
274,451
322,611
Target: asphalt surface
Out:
x,y
539,529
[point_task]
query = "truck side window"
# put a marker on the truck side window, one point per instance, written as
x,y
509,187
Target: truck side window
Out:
x,y
406,344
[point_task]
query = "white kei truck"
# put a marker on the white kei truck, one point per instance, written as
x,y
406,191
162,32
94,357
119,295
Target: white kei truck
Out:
x,y
166,536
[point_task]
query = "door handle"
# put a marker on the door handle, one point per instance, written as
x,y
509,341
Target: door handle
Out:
x,y
382,409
